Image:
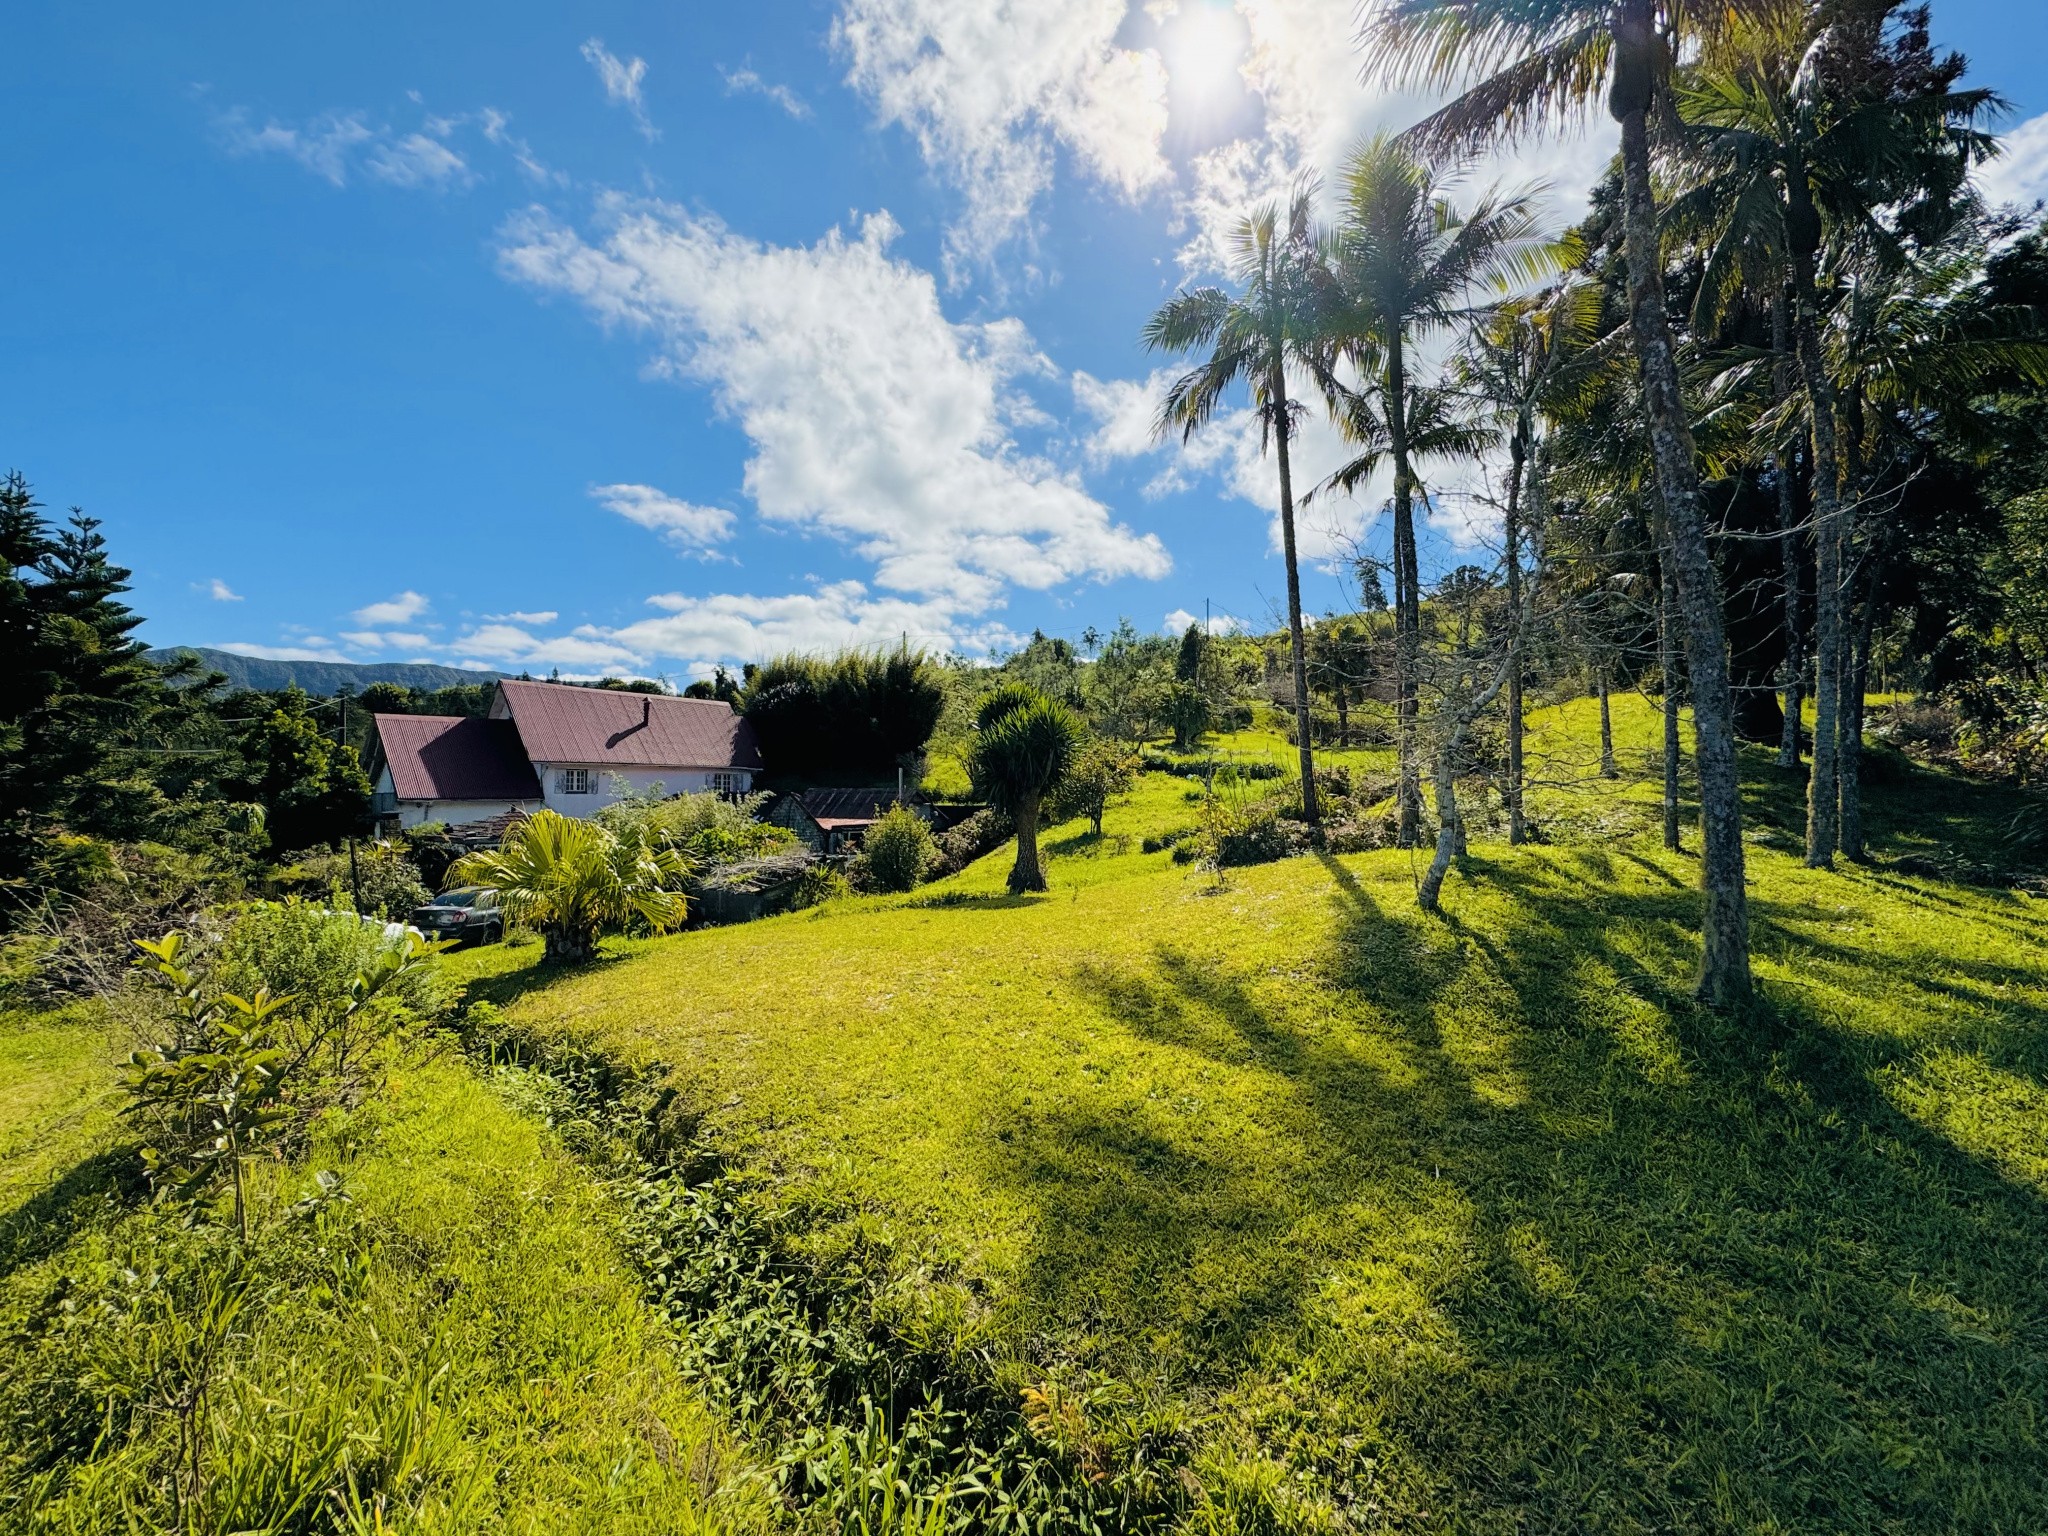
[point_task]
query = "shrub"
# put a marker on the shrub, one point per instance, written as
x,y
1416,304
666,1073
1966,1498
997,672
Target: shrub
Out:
x,y
1104,770
859,712
574,880
897,852
819,884
960,845
707,829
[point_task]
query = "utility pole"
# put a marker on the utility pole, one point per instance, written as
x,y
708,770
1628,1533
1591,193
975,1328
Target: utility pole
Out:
x,y
355,876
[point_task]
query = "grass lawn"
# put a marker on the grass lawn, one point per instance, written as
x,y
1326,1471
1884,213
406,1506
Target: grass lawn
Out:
x,y
463,1332
1465,1224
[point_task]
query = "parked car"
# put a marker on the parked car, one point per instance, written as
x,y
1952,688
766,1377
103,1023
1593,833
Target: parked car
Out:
x,y
468,915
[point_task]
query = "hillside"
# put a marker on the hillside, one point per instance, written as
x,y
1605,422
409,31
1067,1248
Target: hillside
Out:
x,y
1377,1222
1161,1202
324,677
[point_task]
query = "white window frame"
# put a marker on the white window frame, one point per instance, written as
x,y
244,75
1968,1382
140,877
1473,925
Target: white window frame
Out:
x,y
731,785
573,781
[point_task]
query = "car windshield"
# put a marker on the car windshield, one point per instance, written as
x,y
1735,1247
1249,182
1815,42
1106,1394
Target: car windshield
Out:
x,y
466,897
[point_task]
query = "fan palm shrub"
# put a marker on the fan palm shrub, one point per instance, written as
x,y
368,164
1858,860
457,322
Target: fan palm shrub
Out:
x,y
574,880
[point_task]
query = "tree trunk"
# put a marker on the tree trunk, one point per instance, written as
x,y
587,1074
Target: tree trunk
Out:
x,y
1824,786
1407,600
1518,830
1851,764
1448,824
1724,977
567,946
1667,662
1301,726
1608,767
1025,874
1794,675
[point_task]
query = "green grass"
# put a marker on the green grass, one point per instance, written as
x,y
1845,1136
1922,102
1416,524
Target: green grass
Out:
x,y
461,1342
1466,1224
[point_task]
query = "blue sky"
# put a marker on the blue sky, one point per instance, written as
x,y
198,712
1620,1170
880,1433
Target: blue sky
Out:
x,y
670,335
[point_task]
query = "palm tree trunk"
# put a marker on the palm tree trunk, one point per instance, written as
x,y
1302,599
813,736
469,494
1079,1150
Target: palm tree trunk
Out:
x,y
1294,631
1724,977
1824,786
1788,552
1608,768
1851,765
1667,662
1407,601
1025,874
1518,831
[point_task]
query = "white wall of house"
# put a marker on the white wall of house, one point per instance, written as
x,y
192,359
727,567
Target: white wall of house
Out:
x,y
605,784
413,813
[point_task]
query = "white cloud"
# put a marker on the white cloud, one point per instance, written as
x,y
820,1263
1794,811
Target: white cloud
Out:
x,y
514,646
418,161
990,88
874,419
1126,414
2020,173
621,78
1303,66
542,616
367,639
323,146
748,82
281,652
402,609
218,590
497,130
682,523
1177,622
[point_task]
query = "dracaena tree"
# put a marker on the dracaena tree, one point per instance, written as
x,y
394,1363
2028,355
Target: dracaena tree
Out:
x,y
1250,340
1024,747
1520,66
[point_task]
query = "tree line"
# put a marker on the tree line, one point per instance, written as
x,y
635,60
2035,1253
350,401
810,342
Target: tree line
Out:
x,y
1781,370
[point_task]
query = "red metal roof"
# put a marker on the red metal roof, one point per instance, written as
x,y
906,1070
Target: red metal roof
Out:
x,y
607,727
455,757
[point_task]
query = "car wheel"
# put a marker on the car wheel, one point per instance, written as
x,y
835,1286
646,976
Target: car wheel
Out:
x,y
495,934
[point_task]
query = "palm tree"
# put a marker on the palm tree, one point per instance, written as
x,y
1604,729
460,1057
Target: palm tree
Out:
x,y
1788,153
1534,61
1024,746
1404,265
573,880
1251,340
1526,360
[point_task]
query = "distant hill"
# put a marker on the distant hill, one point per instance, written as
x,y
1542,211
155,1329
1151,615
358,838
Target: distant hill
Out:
x,y
324,677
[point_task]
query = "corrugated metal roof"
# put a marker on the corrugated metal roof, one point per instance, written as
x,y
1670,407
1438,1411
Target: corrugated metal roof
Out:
x,y
455,757
607,727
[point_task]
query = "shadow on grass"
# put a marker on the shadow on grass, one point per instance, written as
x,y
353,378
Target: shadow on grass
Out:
x,y
1555,1249
44,1222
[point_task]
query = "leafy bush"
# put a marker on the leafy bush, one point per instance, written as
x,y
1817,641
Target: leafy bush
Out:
x,y
896,853
1153,760
705,828
819,884
981,833
1103,770
1258,836
385,874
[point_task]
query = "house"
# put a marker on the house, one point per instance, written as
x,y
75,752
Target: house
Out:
x,y
833,821
570,749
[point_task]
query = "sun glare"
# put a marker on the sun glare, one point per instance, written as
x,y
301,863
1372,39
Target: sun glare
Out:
x,y
1203,45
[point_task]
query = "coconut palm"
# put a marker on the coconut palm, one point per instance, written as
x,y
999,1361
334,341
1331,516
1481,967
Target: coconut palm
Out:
x,y
1252,339
1525,64
573,880
1024,746
1528,359
1787,152
1405,265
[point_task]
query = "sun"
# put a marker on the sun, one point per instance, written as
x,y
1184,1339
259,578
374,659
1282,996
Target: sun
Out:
x,y
1203,43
